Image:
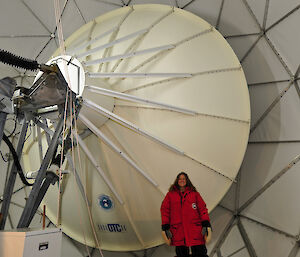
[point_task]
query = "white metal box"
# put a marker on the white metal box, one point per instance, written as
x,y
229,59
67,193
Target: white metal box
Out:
x,y
31,243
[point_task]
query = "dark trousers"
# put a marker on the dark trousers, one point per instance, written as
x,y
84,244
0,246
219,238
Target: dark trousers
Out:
x,y
197,251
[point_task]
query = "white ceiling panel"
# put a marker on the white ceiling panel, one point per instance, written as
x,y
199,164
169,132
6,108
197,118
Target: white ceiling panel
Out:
x,y
287,40
282,122
43,11
262,64
30,48
49,48
271,206
91,9
228,200
278,9
298,255
208,11
262,96
241,253
19,20
19,197
240,23
241,45
72,18
219,220
7,71
262,162
268,243
233,242
15,211
258,8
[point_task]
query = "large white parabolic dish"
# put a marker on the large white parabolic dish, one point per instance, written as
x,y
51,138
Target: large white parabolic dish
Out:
x,y
168,56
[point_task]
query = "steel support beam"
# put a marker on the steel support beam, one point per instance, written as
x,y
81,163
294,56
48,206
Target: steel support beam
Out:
x,y
2,124
43,125
110,3
8,168
268,82
8,191
242,35
274,142
43,48
16,191
271,106
252,14
283,63
271,182
223,236
25,217
47,131
297,72
283,18
246,239
266,14
51,178
219,253
297,87
10,221
39,137
295,250
269,227
186,5
219,15
251,48
236,251
92,252
225,208
80,12
237,191
35,16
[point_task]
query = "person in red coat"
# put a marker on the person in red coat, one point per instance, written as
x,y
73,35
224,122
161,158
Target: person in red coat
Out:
x,y
185,218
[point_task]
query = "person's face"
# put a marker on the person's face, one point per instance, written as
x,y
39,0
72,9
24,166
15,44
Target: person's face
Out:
x,y
182,181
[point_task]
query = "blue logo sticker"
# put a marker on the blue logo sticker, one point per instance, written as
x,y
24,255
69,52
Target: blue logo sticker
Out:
x,y
105,202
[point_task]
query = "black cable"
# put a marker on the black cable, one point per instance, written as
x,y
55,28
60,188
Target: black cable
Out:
x,y
16,160
14,130
18,61
3,157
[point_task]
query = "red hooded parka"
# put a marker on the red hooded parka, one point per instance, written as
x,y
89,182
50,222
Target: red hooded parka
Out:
x,y
184,211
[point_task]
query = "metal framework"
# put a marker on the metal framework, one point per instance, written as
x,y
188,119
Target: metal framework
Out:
x,y
12,177
31,204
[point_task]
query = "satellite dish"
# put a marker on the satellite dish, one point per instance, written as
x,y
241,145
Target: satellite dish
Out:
x,y
164,92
